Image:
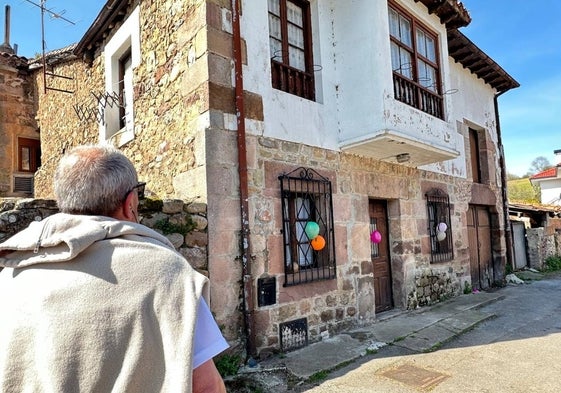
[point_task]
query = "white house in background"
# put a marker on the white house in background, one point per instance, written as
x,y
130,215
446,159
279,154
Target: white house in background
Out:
x,y
550,182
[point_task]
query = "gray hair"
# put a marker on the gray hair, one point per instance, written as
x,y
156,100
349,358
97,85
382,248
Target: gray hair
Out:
x,y
93,180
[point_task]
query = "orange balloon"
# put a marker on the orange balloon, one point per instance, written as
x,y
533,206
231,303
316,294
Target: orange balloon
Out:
x,y
318,243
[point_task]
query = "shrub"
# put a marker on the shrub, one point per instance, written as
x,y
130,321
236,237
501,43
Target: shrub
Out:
x,y
228,365
553,263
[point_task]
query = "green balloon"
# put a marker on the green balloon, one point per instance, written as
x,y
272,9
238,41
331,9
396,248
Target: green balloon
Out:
x,y
312,229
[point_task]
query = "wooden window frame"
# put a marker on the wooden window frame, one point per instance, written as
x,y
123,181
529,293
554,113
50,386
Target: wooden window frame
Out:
x,y
475,156
411,91
283,76
126,57
34,146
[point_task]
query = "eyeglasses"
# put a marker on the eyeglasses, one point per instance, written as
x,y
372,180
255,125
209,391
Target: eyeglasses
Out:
x,y
139,190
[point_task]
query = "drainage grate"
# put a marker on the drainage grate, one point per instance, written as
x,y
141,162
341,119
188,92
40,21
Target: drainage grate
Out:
x,y
414,376
293,334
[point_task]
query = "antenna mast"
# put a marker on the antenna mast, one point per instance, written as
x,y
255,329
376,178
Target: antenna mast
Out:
x,y
56,16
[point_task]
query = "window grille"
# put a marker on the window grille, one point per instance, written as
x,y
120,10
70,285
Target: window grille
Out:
x,y
440,230
307,201
23,184
374,247
293,334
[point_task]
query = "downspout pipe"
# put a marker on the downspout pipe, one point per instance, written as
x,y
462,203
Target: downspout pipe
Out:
x,y
245,244
502,164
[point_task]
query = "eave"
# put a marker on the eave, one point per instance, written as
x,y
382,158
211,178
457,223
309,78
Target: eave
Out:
x,y
465,52
112,13
452,13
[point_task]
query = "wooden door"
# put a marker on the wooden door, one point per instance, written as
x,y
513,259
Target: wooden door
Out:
x,y
519,238
380,256
479,234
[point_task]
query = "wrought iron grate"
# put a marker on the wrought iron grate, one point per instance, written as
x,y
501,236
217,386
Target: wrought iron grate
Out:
x,y
440,230
309,255
293,334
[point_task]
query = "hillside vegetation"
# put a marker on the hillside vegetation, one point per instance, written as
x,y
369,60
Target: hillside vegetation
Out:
x,y
521,190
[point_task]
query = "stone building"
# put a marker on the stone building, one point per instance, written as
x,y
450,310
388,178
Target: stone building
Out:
x,y
20,150
346,171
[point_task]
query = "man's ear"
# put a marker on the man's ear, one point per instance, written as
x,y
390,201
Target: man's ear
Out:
x,y
126,211
128,207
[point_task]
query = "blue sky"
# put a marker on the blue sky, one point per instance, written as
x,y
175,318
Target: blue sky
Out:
x,y
521,35
26,23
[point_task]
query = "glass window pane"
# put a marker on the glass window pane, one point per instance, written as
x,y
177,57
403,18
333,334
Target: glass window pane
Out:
x,y
276,50
421,43
394,24
406,64
128,94
431,49
427,75
405,31
25,159
297,58
274,27
294,14
295,36
396,66
274,7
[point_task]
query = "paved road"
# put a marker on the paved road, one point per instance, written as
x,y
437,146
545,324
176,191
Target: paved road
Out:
x,y
518,351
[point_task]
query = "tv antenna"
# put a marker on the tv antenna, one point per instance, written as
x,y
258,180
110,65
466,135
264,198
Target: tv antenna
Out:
x,y
55,15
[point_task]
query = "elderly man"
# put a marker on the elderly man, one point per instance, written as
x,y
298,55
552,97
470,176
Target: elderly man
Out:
x,y
95,302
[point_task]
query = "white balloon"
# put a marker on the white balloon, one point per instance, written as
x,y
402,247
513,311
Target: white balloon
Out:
x,y
440,236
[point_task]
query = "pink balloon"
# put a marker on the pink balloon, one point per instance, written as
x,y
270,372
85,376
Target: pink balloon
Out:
x,y
376,237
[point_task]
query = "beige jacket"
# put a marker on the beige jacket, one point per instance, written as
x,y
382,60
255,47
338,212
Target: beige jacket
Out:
x,y
93,304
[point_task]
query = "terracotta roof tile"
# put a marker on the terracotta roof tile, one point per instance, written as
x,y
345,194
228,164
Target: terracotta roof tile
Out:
x,y
551,172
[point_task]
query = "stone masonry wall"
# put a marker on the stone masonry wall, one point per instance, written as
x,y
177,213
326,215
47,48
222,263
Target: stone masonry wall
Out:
x,y
331,305
541,246
184,224
171,102
17,115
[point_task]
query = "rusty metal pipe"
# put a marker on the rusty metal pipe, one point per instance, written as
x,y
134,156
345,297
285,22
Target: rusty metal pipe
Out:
x,y
245,244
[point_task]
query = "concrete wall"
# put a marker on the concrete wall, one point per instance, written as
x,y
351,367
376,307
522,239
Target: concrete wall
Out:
x,y
551,191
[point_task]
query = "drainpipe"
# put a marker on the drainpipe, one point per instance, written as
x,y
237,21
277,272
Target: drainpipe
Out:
x,y
247,288
502,164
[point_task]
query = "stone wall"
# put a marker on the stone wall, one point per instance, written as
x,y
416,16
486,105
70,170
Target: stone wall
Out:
x,y
185,225
433,286
171,102
17,116
541,246
329,306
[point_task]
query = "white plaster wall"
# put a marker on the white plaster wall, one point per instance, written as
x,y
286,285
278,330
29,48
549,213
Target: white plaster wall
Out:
x,y
287,116
470,104
551,191
354,83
